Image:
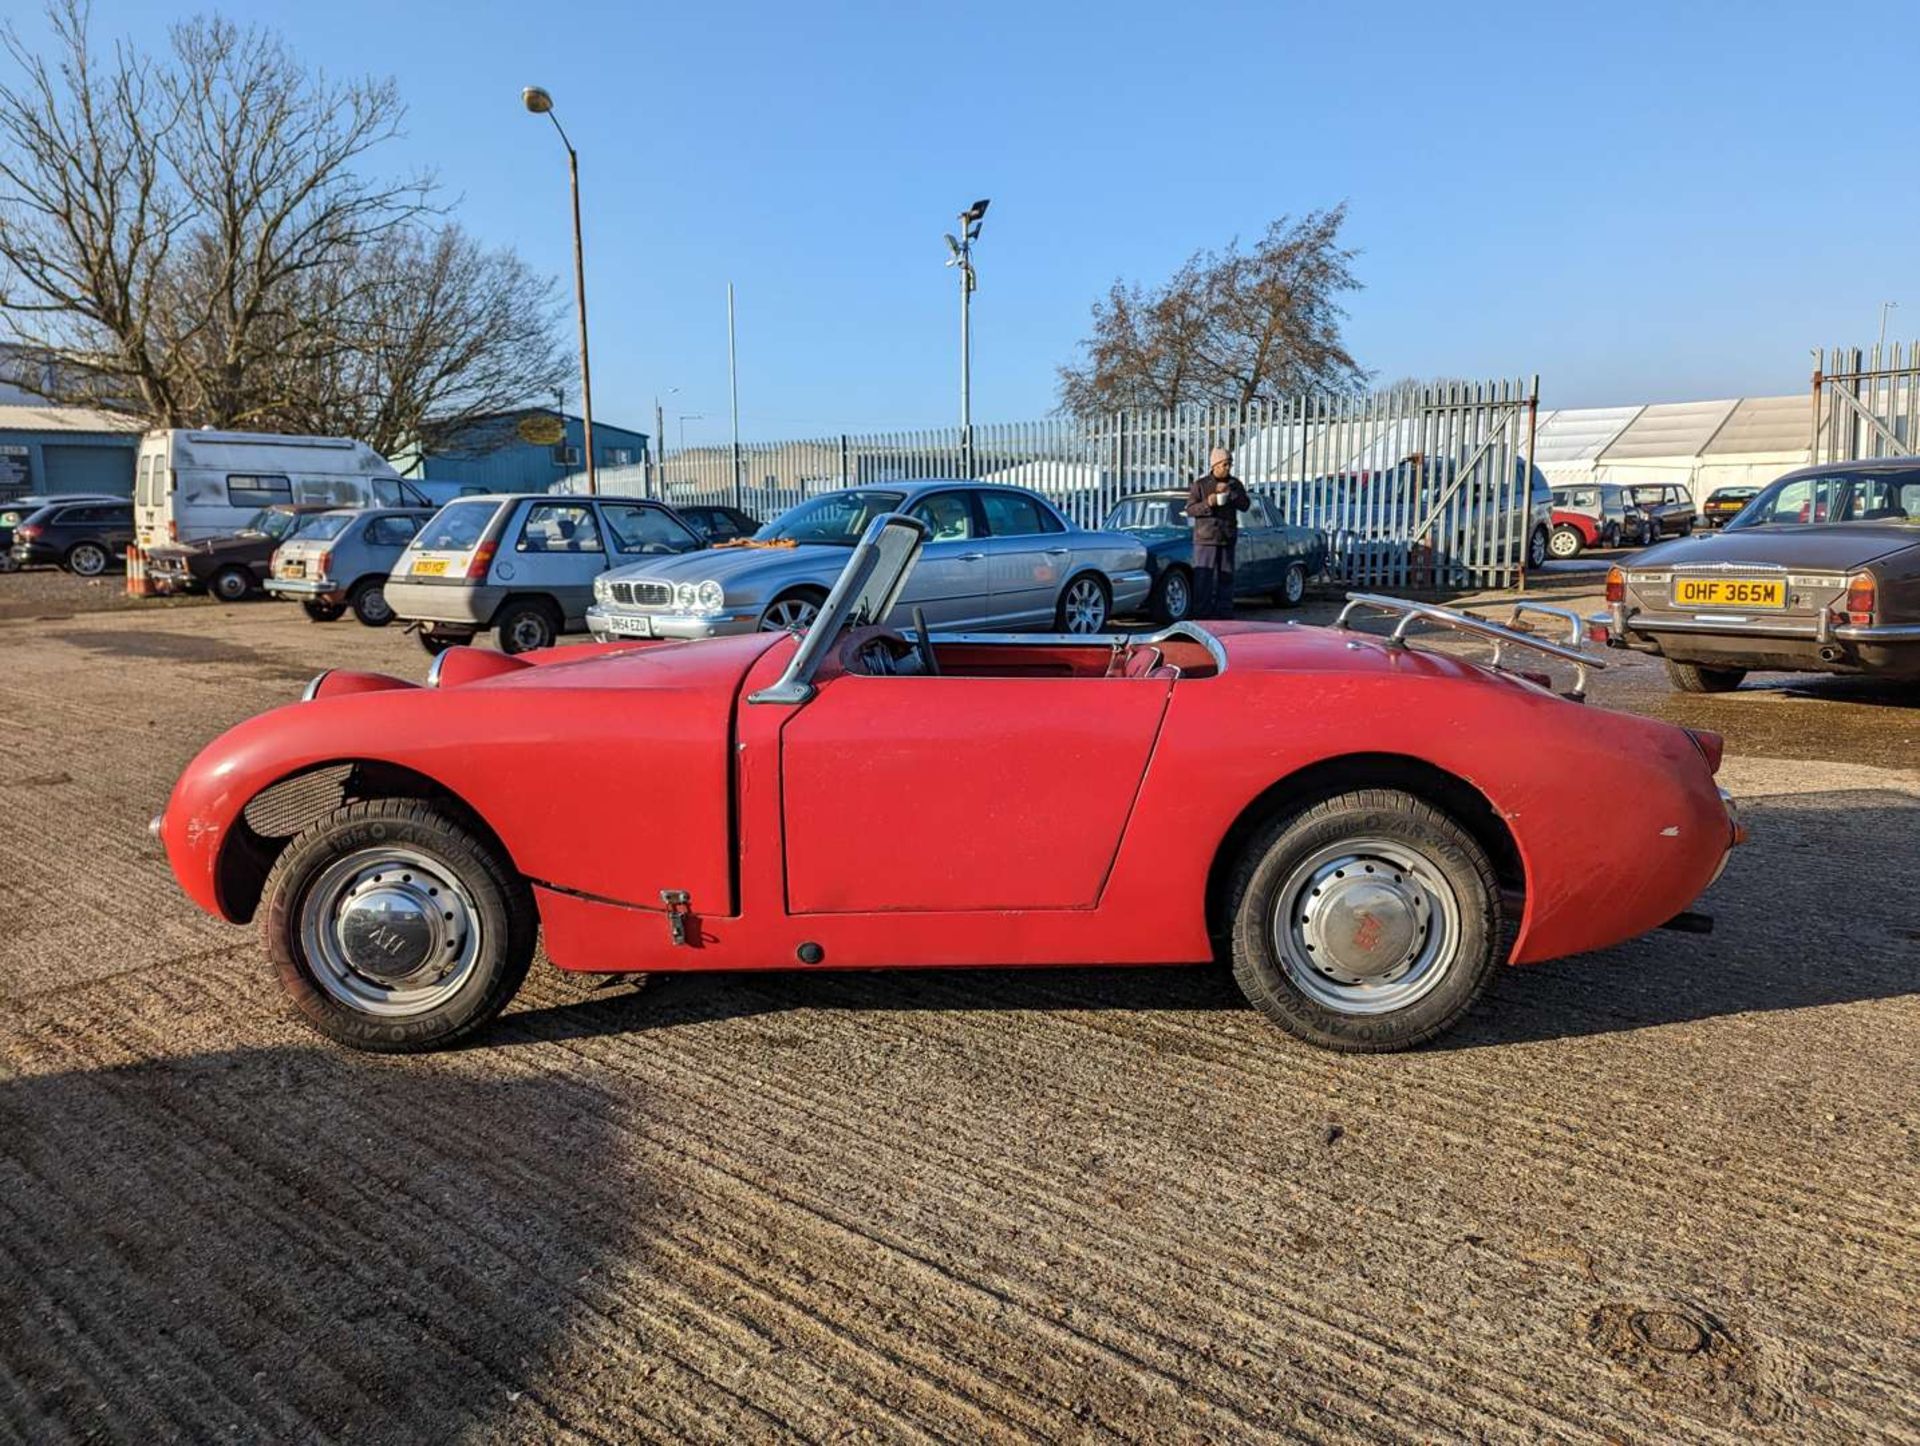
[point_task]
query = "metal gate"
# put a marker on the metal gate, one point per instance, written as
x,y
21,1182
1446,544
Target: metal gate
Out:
x,y
1424,488
1866,403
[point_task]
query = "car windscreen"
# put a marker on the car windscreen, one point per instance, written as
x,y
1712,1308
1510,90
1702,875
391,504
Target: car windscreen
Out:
x,y
323,526
457,527
1145,512
840,518
269,523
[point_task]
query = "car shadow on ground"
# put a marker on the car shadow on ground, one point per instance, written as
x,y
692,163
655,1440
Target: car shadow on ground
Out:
x,y
1797,926
298,1243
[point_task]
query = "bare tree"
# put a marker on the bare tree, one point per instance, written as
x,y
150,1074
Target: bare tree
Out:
x,y
198,241
1228,328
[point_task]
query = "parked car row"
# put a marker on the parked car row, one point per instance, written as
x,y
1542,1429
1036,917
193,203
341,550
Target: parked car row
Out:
x,y
1612,515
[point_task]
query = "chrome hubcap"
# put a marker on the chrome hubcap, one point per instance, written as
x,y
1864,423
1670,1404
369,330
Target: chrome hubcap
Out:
x,y
1086,607
390,932
1177,597
1366,926
793,612
88,560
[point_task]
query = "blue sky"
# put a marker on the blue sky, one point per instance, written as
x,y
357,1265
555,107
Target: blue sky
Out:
x,y
1657,202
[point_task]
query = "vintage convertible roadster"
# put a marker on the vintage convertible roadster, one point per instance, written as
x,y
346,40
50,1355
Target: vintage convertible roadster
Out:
x,y
1367,830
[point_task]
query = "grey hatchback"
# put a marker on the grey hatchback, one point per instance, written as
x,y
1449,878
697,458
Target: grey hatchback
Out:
x,y
523,564
340,560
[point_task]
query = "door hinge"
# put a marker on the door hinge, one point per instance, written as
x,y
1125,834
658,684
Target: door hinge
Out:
x,y
679,907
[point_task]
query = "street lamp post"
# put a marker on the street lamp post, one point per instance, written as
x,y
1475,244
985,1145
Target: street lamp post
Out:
x,y
540,103
1885,307
960,255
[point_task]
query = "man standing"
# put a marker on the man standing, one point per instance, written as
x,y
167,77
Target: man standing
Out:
x,y
1215,502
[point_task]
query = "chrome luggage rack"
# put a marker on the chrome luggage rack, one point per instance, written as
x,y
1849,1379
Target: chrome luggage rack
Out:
x,y
1502,637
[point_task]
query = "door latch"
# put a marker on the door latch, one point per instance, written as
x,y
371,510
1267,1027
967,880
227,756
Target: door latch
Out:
x,y
679,909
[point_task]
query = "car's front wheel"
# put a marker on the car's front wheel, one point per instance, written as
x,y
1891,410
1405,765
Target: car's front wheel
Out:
x,y
1293,587
1367,922
1084,606
1172,596
1697,678
369,603
526,626
394,926
230,584
86,559
793,611
1566,542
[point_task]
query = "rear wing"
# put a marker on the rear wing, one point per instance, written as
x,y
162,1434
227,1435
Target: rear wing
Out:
x,y
1502,637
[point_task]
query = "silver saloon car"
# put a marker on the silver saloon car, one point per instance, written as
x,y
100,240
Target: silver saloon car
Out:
x,y
997,557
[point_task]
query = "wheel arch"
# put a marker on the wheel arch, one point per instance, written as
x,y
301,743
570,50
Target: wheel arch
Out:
x,y
281,809
543,599
1328,777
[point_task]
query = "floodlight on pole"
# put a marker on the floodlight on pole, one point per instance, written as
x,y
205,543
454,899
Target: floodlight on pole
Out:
x,y
539,102
960,256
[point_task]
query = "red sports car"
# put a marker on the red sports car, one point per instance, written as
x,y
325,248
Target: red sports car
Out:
x,y
1369,831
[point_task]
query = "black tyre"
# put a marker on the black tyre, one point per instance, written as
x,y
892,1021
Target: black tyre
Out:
x,y
369,602
1368,922
86,559
527,625
1696,678
1085,605
322,612
230,584
792,610
437,643
1293,587
1566,542
1172,598
393,926
1537,548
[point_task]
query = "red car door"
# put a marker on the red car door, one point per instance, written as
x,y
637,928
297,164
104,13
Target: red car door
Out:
x,y
962,793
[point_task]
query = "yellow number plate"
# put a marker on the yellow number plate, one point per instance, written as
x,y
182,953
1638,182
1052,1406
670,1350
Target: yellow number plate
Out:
x,y
430,567
1728,592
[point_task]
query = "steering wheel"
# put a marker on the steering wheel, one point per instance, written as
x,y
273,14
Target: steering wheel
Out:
x,y
923,645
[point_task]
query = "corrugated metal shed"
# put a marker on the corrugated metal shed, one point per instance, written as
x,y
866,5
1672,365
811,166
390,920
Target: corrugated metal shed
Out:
x,y
1669,429
65,419
1764,425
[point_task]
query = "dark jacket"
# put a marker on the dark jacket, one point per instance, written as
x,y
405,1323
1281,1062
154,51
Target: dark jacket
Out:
x,y
1216,526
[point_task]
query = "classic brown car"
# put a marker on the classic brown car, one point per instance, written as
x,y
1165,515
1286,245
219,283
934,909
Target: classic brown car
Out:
x,y
229,567
1820,573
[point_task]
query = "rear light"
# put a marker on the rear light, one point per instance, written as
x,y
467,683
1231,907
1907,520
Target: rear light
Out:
x,y
173,531
1599,633
322,564
28,530
1860,599
1711,745
482,560
1616,586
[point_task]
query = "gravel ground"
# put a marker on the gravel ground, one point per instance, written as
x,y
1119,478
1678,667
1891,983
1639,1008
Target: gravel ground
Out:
x,y
1666,1192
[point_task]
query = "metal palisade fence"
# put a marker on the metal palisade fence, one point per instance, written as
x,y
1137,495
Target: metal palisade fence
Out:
x,y
1866,403
1419,487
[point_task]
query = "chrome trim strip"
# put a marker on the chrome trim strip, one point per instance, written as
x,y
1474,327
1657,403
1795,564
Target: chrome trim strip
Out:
x,y
312,690
1815,632
433,668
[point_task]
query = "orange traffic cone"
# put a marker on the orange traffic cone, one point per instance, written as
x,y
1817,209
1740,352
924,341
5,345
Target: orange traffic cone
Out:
x,y
137,585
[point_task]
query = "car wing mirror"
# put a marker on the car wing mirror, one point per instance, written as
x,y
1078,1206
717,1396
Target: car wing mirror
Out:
x,y
865,592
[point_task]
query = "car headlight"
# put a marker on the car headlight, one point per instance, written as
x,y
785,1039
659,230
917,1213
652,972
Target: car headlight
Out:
x,y
601,589
699,598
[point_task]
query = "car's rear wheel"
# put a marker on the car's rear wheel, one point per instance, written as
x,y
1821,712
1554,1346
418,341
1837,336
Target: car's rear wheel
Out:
x,y
792,611
1367,922
1697,678
527,625
369,603
1084,606
86,559
322,612
1566,542
230,584
1172,596
1293,587
1537,548
394,926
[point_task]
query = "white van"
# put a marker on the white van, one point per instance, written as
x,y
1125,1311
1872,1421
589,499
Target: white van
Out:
x,y
189,485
